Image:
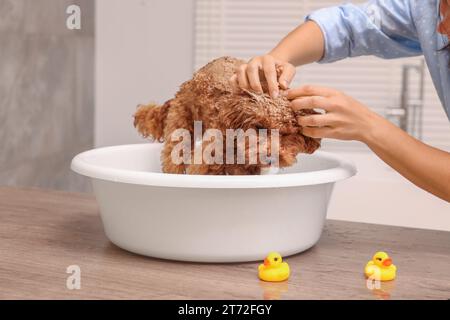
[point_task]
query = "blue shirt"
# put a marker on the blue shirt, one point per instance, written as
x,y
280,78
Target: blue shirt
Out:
x,y
388,29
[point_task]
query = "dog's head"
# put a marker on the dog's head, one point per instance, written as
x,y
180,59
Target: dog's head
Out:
x,y
243,109
246,110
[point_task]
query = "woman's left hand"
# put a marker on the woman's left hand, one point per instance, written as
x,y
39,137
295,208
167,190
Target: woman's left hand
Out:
x,y
344,117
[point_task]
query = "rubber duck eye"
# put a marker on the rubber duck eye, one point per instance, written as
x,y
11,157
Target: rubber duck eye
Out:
x,y
275,259
379,259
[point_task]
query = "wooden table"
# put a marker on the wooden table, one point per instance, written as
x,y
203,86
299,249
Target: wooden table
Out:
x,y
44,232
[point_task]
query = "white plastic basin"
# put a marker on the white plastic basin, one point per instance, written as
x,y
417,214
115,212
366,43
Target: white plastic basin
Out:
x,y
209,218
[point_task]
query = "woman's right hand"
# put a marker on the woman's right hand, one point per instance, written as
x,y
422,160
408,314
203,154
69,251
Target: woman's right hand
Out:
x,y
277,73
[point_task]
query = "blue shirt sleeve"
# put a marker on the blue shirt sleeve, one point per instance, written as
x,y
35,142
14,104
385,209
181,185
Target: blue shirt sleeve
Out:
x,y
384,28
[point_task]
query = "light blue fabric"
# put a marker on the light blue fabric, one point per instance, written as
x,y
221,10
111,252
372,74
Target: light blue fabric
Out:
x,y
388,29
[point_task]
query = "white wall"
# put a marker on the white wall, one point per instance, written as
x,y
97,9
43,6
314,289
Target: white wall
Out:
x,y
144,51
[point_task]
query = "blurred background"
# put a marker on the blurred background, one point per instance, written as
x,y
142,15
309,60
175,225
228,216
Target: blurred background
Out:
x,y
46,92
65,91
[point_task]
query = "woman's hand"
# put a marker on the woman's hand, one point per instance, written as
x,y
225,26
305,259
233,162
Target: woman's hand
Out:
x,y
277,73
345,118
304,44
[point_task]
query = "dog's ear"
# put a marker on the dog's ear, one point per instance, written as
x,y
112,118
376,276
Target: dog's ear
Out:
x,y
150,120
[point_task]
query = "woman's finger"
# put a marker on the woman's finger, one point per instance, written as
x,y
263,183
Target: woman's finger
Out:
x,y
242,77
253,76
233,81
287,74
316,120
270,72
314,102
310,90
318,132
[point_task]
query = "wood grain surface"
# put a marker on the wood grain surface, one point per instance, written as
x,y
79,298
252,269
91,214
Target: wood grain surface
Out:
x,y
43,232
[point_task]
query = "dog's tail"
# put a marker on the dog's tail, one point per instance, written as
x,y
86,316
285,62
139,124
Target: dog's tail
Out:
x,y
149,120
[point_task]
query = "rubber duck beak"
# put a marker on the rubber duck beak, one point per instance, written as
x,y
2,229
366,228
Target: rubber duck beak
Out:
x,y
266,262
387,262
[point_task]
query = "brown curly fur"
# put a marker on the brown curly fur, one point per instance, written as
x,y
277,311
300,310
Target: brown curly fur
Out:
x,y
210,98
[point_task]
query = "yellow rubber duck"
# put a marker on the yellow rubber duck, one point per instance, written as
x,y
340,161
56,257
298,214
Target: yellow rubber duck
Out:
x,y
380,267
273,269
